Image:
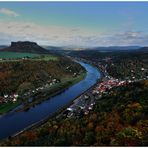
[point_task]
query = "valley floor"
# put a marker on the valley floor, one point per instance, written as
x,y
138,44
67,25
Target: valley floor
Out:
x,y
112,113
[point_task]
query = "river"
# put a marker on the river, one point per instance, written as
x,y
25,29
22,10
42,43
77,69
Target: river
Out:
x,y
14,122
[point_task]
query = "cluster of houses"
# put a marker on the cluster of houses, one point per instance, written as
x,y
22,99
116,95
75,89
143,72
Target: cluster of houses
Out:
x,y
23,58
104,86
81,106
8,98
85,103
52,82
43,87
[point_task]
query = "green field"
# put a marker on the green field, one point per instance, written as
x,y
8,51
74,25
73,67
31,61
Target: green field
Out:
x,y
14,55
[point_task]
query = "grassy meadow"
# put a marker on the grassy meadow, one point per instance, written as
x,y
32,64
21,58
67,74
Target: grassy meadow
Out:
x,y
15,55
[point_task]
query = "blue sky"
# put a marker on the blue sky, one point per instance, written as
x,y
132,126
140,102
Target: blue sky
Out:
x,y
75,23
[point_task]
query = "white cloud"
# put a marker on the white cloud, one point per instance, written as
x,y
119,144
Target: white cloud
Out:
x,y
8,12
130,38
51,35
62,36
127,38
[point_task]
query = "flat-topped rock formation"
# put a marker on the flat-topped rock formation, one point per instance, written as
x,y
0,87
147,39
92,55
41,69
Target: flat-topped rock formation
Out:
x,y
25,46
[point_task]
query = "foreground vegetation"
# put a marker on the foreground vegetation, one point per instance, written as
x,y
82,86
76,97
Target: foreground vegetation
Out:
x,y
118,119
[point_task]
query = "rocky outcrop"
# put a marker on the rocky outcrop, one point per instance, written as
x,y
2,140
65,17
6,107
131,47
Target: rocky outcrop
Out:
x,y
26,46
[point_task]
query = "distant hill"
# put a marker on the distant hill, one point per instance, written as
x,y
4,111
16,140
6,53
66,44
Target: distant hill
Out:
x,y
2,46
145,49
53,47
114,48
26,46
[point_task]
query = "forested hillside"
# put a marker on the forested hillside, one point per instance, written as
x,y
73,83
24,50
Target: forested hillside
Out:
x,y
123,65
37,78
33,73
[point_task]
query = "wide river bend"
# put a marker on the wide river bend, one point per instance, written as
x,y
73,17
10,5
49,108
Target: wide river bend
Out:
x,y
14,122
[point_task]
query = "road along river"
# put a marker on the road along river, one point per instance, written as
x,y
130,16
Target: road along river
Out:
x,y
14,122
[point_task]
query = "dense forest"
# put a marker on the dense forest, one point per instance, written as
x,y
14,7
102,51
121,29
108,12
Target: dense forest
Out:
x,y
118,119
27,74
133,66
119,64
29,81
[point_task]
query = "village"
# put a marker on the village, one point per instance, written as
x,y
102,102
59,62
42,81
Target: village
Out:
x,y
14,97
8,98
85,102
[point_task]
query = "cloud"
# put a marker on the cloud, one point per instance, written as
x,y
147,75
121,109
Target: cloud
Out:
x,y
62,36
49,35
130,38
8,12
127,38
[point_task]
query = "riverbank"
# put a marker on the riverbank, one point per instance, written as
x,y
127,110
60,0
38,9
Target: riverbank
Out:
x,y
59,111
23,82
5,108
59,88
48,108
56,114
